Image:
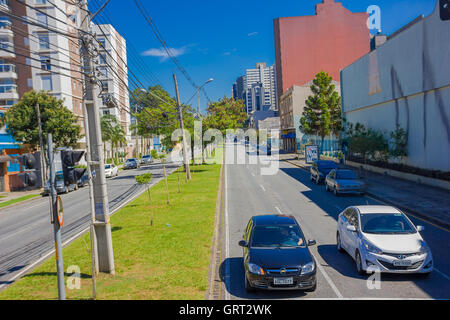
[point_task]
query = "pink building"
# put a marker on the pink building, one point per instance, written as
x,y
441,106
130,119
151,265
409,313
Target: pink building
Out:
x,y
329,41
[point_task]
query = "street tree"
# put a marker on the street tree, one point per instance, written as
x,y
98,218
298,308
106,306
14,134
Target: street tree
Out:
x,y
322,112
22,123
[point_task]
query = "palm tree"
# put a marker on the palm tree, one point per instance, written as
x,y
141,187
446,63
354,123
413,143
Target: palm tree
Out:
x,y
118,136
107,123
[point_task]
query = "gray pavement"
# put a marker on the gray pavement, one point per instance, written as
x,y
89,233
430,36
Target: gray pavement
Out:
x,y
423,201
290,191
26,234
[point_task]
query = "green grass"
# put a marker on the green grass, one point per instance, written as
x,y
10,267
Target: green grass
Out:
x,y
12,201
168,260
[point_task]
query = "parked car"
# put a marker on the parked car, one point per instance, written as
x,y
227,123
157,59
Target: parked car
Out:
x,y
60,186
276,255
344,181
84,180
320,169
147,159
111,170
131,163
383,238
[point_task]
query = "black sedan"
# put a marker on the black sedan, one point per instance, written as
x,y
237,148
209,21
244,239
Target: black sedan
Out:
x,y
276,255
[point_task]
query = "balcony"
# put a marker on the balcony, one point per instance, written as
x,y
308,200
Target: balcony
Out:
x,y
7,46
4,5
6,28
8,92
8,71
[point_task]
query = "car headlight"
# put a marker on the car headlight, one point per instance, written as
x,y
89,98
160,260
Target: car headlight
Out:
x,y
371,248
255,269
424,248
308,268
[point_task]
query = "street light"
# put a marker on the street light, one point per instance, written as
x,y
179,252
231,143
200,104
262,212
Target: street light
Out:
x,y
198,90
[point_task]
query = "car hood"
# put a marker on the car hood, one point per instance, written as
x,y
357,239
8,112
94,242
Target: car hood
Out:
x,y
396,243
280,258
350,182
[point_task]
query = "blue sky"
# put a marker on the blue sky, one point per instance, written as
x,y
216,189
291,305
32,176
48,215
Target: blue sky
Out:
x,y
220,39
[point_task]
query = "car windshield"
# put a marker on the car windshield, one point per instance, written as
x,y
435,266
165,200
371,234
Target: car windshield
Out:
x,y
277,237
59,176
346,175
131,160
146,157
391,223
108,166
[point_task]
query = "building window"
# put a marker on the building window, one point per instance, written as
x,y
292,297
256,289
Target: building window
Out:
x,y
104,86
45,63
42,19
44,42
102,58
40,1
47,84
102,43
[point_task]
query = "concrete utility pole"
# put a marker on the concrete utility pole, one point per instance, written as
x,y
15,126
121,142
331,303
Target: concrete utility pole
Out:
x,y
185,149
54,221
41,147
102,224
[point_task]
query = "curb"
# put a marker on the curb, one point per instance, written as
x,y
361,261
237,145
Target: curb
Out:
x,y
412,212
214,291
38,196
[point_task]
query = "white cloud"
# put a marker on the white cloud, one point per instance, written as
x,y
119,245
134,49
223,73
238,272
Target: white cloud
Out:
x,y
252,34
162,54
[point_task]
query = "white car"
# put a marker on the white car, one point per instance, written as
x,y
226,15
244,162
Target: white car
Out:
x,y
111,170
382,238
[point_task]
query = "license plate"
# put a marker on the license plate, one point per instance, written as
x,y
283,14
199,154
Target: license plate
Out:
x,y
402,263
283,281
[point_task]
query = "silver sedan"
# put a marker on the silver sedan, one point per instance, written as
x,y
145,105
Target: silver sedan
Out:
x,y
344,181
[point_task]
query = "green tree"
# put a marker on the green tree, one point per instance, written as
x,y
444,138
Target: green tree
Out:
x,y
226,113
367,142
107,123
22,123
322,112
118,138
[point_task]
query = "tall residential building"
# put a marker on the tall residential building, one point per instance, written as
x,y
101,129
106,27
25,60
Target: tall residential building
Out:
x,y
260,89
41,51
113,72
328,41
239,88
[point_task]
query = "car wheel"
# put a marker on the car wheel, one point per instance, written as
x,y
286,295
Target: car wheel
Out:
x,y
312,178
359,266
248,286
66,190
335,191
338,243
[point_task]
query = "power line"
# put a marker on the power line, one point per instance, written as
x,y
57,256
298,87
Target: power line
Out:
x,y
158,35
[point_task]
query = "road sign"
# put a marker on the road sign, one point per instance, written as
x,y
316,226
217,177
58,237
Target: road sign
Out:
x,y
312,154
59,211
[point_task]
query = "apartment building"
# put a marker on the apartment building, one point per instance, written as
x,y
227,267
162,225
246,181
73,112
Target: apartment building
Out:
x,y
260,88
41,51
113,74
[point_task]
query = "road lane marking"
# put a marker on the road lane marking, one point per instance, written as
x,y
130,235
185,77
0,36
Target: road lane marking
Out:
x,y
227,241
321,269
262,187
279,211
442,274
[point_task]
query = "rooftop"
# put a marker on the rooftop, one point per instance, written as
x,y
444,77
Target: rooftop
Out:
x,y
377,209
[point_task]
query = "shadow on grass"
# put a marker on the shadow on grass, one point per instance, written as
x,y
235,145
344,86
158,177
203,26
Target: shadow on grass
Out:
x,y
116,229
54,274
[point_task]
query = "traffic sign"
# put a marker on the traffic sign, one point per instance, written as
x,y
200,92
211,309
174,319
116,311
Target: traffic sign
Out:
x,y
59,211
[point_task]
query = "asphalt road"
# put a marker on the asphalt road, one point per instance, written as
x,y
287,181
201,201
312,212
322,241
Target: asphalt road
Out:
x,y
289,191
26,234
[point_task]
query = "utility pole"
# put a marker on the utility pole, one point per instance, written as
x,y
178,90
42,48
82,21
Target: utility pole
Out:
x,y
41,145
96,157
185,150
54,220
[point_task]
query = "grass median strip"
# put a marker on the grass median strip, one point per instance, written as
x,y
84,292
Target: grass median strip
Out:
x,y
168,260
17,200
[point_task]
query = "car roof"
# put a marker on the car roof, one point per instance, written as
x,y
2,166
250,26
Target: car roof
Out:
x,y
273,219
377,209
321,162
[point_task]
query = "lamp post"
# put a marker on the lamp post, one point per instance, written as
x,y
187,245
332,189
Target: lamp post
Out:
x,y
198,95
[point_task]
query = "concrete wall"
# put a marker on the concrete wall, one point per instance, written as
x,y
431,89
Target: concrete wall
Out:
x,y
406,83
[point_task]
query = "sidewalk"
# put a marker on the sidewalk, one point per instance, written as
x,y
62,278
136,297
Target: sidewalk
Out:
x,y
429,203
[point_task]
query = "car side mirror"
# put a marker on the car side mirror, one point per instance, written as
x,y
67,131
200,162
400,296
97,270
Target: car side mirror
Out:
x,y
243,243
351,228
420,228
311,243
